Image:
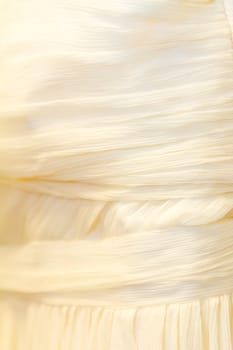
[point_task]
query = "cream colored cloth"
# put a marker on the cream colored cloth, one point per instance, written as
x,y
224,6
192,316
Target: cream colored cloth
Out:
x,y
116,174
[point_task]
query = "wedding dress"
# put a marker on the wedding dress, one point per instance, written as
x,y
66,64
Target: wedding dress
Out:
x,y
116,174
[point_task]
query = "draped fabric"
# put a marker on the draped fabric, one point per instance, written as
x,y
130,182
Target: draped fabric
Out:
x,y
116,174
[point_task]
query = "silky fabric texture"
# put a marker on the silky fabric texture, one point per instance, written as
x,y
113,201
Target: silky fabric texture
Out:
x,y
116,174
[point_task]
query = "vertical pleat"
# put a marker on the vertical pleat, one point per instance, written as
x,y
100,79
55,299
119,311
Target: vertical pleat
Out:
x,y
81,330
225,319
211,321
123,330
68,334
171,330
190,330
102,329
150,328
43,333
7,327
96,328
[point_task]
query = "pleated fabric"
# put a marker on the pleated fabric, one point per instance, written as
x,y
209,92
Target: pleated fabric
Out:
x,y
30,324
116,174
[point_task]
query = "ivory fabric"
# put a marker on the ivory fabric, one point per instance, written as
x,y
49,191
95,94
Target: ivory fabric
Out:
x,y
116,174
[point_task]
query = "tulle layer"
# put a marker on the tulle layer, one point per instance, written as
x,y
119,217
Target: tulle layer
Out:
x,y
200,325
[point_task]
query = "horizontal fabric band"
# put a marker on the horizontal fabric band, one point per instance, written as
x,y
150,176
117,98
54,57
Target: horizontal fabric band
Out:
x,y
79,190
161,266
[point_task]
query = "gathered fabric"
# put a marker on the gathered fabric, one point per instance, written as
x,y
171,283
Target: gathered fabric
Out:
x,y
116,174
